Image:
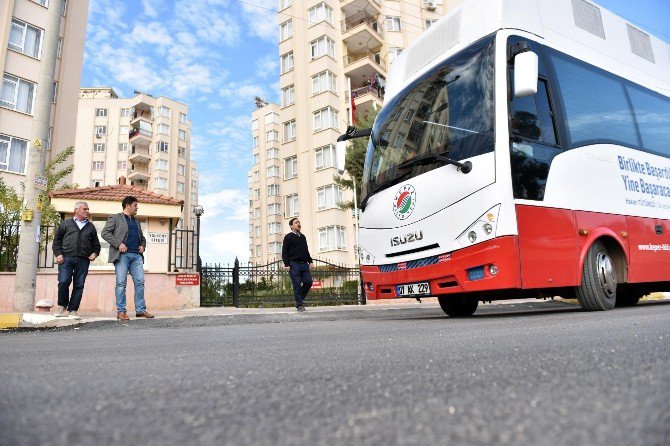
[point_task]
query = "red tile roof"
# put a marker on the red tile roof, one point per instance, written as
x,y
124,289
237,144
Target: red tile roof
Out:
x,y
115,193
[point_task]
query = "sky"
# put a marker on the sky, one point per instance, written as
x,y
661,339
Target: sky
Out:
x,y
215,56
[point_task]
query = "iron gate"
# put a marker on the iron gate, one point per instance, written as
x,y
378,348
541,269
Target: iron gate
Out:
x,y
269,285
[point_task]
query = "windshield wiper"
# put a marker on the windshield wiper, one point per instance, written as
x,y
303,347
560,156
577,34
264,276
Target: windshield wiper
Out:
x,y
379,187
430,158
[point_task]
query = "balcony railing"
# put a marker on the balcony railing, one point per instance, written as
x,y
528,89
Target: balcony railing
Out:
x,y
368,89
364,54
352,22
138,131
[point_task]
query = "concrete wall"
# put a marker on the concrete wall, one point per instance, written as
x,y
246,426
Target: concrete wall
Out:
x,y
160,293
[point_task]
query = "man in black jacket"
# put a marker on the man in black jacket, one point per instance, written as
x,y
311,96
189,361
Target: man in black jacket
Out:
x,y
297,261
75,246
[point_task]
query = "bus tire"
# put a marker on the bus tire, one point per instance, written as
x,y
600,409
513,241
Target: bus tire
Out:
x,y
597,292
458,306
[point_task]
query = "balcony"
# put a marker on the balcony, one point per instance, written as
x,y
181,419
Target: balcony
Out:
x,y
361,31
142,111
352,7
139,173
362,65
367,99
140,133
139,155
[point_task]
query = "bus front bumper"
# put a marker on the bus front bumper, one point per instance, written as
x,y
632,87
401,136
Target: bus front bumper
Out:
x,y
491,265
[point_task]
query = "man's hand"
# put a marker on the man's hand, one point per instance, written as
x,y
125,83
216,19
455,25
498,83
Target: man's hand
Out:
x,y
92,257
309,265
141,249
60,259
287,268
122,248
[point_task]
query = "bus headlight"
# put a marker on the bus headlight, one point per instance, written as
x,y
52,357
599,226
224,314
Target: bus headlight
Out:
x,y
482,229
493,269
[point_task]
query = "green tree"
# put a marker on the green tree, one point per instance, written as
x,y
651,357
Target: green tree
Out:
x,y
54,175
10,204
355,161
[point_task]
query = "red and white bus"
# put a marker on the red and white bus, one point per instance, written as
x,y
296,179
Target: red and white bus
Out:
x,y
523,150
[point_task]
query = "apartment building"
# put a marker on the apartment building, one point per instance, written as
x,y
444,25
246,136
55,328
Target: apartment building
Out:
x,y
23,24
143,138
331,53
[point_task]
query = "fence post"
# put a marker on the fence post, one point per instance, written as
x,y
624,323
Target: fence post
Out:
x,y
236,284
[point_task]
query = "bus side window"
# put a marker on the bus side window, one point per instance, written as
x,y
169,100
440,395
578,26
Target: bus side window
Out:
x,y
531,116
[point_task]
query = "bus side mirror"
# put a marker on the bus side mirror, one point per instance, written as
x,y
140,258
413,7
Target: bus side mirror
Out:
x,y
340,153
525,74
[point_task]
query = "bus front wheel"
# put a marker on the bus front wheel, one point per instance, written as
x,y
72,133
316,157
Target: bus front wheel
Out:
x,y
458,306
599,280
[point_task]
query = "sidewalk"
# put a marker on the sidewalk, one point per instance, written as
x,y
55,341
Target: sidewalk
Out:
x,y
48,320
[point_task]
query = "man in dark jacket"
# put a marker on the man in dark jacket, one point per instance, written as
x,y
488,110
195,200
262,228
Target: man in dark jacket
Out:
x,y
297,261
75,246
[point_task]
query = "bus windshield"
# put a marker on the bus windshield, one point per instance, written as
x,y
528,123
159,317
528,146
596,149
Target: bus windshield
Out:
x,y
449,111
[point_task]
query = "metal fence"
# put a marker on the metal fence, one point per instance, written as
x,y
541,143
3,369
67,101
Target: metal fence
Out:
x,y
270,285
9,246
183,250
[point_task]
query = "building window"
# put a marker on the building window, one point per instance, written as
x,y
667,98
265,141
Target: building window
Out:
x,y
180,187
324,81
331,238
181,152
194,184
162,146
271,118
393,23
125,112
285,30
274,248
98,165
274,209
183,118
96,183
325,118
274,228
288,96
163,129
60,47
291,205
259,251
273,153
121,165
17,94
161,165
160,183
194,171
272,135
181,169
289,131
182,135
256,141
100,112
258,231
100,130
254,125
328,197
123,147
124,130
319,13
325,157
257,213
25,38
393,54
290,167
283,4
13,154
430,22
99,147
273,171
273,190
257,194
256,176
256,158
322,46
286,62
164,112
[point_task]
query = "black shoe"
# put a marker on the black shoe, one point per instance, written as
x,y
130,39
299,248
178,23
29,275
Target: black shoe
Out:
x,y
301,308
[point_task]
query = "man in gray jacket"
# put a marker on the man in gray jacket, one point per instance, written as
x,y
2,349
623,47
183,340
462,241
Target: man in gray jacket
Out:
x,y
75,246
126,248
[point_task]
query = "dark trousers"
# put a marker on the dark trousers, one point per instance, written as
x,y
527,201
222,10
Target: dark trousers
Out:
x,y
302,281
72,268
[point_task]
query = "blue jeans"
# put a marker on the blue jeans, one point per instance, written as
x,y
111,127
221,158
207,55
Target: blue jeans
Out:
x,y
302,281
72,267
133,264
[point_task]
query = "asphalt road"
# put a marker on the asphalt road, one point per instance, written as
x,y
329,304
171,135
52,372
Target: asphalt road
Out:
x,y
541,373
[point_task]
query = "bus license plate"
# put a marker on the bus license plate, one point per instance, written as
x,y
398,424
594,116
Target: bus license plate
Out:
x,y
413,289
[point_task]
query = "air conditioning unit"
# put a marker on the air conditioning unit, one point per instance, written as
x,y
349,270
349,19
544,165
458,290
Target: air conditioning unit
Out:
x,y
430,6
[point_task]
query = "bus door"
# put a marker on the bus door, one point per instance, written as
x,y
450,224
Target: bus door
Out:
x,y
649,249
